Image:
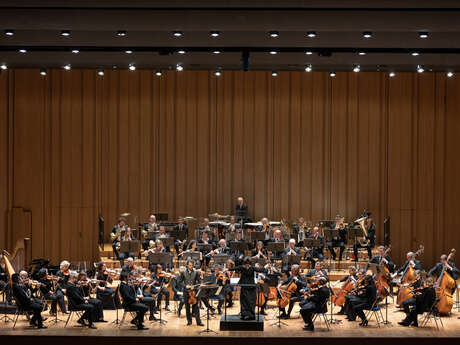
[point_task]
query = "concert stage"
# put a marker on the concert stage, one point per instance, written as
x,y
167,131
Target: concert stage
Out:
x,y
176,332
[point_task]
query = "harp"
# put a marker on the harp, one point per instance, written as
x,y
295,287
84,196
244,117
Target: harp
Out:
x,y
19,259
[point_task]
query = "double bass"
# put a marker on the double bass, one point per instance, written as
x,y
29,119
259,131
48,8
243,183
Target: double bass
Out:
x,y
407,278
444,287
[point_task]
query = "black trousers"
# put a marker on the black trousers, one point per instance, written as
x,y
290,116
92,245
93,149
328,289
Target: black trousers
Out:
x,y
57,298
88,312
115,250
163,292
36,309
98,311
192,310
150,303
331,250
140,309
292,302
357,245
307,310
407,304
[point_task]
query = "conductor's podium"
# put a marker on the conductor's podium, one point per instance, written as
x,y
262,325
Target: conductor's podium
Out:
x,y
234,323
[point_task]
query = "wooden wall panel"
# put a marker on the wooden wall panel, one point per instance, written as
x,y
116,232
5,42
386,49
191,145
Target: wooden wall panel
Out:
x,y
77,145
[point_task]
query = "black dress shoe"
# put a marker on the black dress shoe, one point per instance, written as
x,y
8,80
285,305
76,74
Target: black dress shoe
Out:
x,y
309,327
364,323
142,328
92,326
152,318
42,327
189,323
200,324
133,322
167,308
102,321
81,322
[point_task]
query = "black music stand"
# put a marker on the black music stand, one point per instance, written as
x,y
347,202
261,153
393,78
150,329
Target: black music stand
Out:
x,y
312,243
5,316
159,258
331,294
329,235
356,232
195,256
255,236
272,281
376,268
151,235
220,259
207,291
238,247
275,247
259,261
204,248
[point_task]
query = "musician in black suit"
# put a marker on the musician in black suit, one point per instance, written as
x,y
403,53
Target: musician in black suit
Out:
x,y
315,303
238,255
291,250
190,278
338,241
316,253
24,300
221,249
241,210
370,227
381,258
46,289
182,227
178,289
115,235
425,296
365,300
131,302
317,271
448,266
295,278
75,297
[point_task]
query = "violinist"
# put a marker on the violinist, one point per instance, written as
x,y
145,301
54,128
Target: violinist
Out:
x,y
340,240
351,277
51,292
24,300
63,274
447,265
413,285
160,279
103,292
259,252
425,296
31,288
366,296
317,271
76,298
178,289
132,302
295,296
205,240
86,286
380,259
191,279
316,253
149,249
315,301
291,250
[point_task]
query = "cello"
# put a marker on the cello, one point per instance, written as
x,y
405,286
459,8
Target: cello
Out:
x,y
349,285
285,294
381,278
444,287
407,277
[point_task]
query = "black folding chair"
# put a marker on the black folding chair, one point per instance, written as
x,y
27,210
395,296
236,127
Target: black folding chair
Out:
x,y
72,310
322,314
432,314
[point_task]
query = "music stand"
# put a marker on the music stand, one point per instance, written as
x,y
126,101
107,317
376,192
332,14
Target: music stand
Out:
x,y
291,259
159,258
255,236
355,232
207,291
178,235
275,247
238,246
195,256
132,246
259,261
375,269
204,248
220,259
151,235
329,235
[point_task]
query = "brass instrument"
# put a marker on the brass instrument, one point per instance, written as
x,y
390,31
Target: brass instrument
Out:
x,y
362,240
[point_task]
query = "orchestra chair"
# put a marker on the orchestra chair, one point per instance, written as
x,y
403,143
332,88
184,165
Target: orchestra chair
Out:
x,y
20,310
322,314
72,310
376,312
432,314
127,311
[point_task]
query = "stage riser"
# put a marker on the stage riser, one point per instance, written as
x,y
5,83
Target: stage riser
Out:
x,y
234,323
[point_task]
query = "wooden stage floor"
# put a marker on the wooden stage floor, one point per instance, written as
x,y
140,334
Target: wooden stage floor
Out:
x,y
176,331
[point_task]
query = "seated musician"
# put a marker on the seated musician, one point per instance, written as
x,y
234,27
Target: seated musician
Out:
x,y
316,271
353,277
190,278
259,251
24,300
340,240
300,230
76,298
178,290
370,238
204,252
414,284
151,226
160,248
86,287
160,280
381,258
51,292
182,227
205,227
277,238
365,298
105,277
265,227
241,210
132,302
233,226
449,266
221,249
115,235
150,249
127,236
316,253
130,266
315,301
63,274
296,296
424,296
31,288
414,263
291,250
238,255
228,288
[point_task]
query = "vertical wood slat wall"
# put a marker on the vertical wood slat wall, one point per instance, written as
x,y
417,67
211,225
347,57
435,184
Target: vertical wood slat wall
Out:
x,y
74,145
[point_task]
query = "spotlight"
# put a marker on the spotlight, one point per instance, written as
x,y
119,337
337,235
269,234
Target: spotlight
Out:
x,y
67,67
273,52
181,51
332,74
308,68
214,33
65,33
177,33
415,53
216,51
100,72
75,51
308,52
128,51
357,68
311,34
420,69
367,34
9,32
158,73
423,34
217,73
122,33
22,51
361,53
132,67
3,66
450,74
43,72
274,34
391,74
179,68
274,74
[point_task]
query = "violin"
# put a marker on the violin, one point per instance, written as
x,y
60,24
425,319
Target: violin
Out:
x,y
314,287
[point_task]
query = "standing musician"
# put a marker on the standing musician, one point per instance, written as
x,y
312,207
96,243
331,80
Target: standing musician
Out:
x,y
160,279
370,227
178,288
425,296
291,250
366,294
241,210
86,287
115,235
190,278
151,226
259,252
131,301
316,271
63,274
382,258
316,253
315,301
24,300
340,240
75,297
51,291
295,296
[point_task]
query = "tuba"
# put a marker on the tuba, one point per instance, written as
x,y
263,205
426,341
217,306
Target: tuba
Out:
x,y
362,223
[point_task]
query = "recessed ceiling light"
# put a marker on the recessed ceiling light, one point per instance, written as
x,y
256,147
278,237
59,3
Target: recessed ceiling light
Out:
x,y
273,52
216,51
415,53
67,67
100,72
308,68
179,68
128,51
132,67
158,73
367,34
311,34
181,51
423,34
308,52
43,72
65,33
357,68
274,34
75,51
274,74
22,51
9,32
122,33
361,53
3,66
332,74
177,33
392,74
420,69
217,73
450,74
214,33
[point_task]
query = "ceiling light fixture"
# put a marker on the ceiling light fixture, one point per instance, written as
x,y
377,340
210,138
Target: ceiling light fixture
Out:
x,y
43,72
361,53
65,33
332,74
420,69
450,74
216,51
132,67
158,73
3,66
274,74
415,53
423,34
179,68
308,52
367,34
128,51
67,67
100,72
357,68
181,52
121,33
311,34
75,51
274,34
9,32
217,73
177,33
273,52
391,74
22,51
214,33
308,68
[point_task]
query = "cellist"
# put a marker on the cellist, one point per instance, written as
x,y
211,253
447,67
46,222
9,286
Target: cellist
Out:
x,y
296,295
350,281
